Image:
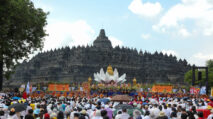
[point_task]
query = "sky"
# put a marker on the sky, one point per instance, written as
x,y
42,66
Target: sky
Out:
x,y
183,28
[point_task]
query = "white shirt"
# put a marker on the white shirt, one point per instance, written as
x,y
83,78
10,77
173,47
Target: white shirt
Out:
x,y
146,117
210,116
155,111
167,112
72,114
97,117
12,117
124,116
118,116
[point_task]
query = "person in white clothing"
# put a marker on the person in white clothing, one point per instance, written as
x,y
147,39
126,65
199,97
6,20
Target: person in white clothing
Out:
x,y
155,111
124,114
97,115
211,115
118,116
146,115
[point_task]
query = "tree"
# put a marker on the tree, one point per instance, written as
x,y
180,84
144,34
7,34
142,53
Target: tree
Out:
x,y
188,75
21,33
209,64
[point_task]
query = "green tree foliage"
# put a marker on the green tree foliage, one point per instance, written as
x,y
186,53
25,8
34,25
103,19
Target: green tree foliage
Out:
x,y
209,64
188,75
21,33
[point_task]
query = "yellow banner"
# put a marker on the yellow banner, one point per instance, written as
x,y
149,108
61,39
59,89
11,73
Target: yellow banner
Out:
x,y
211,91
58,87
162,88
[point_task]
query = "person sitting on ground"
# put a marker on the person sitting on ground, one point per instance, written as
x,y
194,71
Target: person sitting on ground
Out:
x,y
162,115
60,115
75,116
97,115
137,114
12,114
29,115
103,113
2,115
184,116
124,114
118,115
146,115
200,115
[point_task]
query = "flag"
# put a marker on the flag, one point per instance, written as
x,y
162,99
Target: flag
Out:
x,y
28,88
203,90
31,88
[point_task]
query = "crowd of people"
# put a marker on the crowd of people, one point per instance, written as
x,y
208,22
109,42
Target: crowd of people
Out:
x,y
96,108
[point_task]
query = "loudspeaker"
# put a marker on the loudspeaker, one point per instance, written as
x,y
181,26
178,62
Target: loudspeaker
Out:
x,y
199,75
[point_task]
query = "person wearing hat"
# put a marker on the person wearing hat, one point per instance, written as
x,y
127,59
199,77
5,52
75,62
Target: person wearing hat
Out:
x,y
137,114
53,116
84,113
162,115
155,111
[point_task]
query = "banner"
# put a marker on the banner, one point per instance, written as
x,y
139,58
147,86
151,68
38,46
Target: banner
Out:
x,y
85,87
58,87
194,90
162,88
211,91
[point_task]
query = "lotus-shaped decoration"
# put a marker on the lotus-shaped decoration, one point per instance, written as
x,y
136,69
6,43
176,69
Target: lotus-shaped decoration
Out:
x,y
110,77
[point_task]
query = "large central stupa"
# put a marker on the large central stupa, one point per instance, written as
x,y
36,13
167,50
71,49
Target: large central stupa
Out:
x,y
76,64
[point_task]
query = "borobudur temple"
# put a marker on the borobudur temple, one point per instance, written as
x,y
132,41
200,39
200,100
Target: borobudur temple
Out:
x,y
76,64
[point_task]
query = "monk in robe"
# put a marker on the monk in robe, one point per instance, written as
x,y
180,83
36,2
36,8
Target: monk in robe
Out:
x,y
101,95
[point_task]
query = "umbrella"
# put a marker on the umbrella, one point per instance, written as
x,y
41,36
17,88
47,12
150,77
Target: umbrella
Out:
x,y
16,98
121,98
18,107
104,100
122,106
